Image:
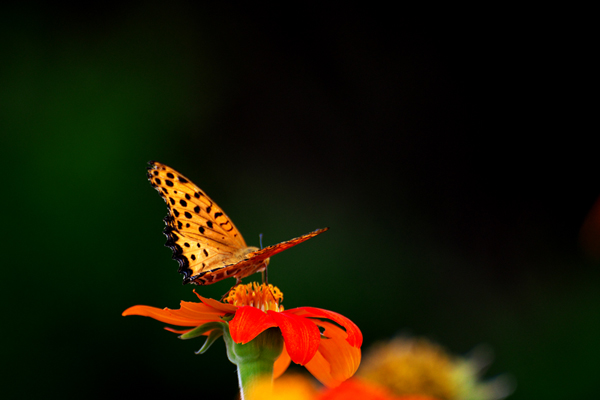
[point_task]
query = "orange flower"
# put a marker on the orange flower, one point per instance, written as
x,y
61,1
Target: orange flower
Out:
x,y
331,354
356,389
300,387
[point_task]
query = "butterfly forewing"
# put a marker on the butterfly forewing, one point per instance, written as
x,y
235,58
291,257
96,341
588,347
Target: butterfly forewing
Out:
x,y
198,231
204,241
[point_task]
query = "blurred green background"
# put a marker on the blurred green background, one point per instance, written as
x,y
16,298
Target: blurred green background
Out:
x,y
446,153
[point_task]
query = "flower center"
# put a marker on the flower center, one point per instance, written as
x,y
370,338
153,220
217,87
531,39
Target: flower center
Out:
x,y
264,297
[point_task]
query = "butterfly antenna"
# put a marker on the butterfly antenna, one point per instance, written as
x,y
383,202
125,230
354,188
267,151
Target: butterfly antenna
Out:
x,y
260,240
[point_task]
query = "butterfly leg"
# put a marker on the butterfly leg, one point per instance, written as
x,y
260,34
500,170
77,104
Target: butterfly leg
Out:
x,y
265,279
226,294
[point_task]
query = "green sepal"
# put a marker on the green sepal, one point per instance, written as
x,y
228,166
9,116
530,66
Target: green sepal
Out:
x,y
227,317
202,329
266,347
212,336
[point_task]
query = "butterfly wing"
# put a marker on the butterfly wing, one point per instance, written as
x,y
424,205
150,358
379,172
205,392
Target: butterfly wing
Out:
x,y
253,262
267,252
198,232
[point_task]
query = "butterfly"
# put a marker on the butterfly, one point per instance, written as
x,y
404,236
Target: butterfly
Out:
x,y
204,241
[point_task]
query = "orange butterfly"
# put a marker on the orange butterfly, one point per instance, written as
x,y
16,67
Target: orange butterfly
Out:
x,y
204,241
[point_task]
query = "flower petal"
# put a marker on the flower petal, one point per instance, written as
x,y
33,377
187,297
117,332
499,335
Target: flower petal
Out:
x,y
223,307
320,369
190,314
281,364
336,359
358,389
301,335
181,331
354,335
248,323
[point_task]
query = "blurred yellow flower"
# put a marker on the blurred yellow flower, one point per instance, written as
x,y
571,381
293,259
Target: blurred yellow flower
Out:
x,y
419,367
401,369
410,367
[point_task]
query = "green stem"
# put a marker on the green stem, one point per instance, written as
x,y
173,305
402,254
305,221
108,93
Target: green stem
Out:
x,y
253,372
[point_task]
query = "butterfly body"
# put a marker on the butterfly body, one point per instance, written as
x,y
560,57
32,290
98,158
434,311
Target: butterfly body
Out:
x,y
204,241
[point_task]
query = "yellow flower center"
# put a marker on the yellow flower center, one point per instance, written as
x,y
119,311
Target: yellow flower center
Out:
x,y
264,297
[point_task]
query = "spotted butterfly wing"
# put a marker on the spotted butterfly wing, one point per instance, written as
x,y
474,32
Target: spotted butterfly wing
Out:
x,y
204,241
256,261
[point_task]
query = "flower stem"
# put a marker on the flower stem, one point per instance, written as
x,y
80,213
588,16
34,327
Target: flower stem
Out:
x,y
251,373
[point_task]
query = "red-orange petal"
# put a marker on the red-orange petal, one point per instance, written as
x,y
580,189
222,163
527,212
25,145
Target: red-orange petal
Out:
x,y
200,311
354,334
343,358
414,397
281,364
301,335
182,331
173,317
248,323
356,389
320,369
336,359
223,307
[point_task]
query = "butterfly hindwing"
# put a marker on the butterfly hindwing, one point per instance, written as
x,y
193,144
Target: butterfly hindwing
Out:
x,y
269,251
253,262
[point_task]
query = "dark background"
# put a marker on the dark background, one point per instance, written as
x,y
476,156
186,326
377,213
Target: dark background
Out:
x,y
447,149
